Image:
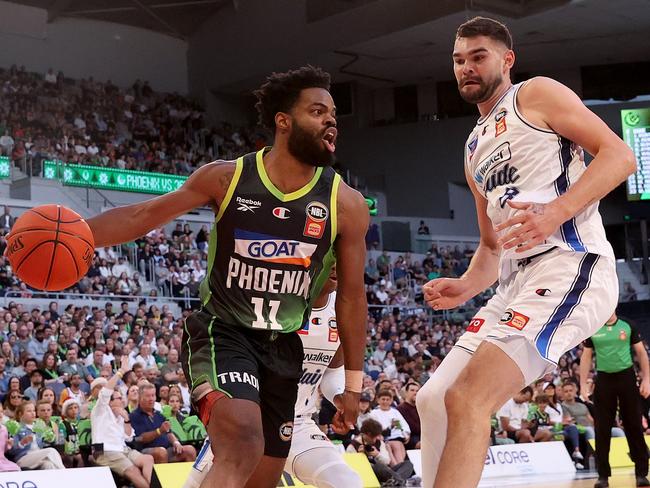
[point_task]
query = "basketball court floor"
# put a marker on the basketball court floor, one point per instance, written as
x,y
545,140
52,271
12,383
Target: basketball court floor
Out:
x,y
623,478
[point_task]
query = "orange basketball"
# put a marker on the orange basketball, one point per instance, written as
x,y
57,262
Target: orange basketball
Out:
x,y
50,247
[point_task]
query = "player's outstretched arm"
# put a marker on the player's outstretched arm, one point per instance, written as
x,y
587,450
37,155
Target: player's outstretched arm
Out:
x,y
351,305
206,186
548,103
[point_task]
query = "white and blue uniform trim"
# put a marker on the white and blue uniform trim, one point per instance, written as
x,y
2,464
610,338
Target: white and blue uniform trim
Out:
x,y
567,305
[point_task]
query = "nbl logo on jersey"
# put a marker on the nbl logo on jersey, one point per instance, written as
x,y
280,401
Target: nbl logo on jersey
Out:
x,y
272,249
317,214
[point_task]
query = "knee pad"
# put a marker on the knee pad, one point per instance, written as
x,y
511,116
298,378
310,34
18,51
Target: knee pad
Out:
x,y
431,396
336,476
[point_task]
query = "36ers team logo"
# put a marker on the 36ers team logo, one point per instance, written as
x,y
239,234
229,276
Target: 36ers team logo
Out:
x,y
475,325
286,431
315,220
514,319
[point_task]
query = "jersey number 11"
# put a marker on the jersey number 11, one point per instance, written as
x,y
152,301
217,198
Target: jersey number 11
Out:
x,y
260,322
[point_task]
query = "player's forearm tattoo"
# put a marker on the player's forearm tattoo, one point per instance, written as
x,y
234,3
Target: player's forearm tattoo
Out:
x,y
537,208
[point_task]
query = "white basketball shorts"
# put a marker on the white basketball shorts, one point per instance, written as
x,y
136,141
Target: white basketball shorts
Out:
x,y
554,301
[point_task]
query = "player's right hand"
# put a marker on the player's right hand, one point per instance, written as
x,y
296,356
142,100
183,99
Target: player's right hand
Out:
x,y
446,293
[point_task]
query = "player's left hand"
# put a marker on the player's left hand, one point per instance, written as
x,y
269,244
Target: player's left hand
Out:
x,y
530,227
350,410
338,425
644,388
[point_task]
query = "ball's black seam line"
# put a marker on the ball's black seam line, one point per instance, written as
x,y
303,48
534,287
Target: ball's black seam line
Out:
x,y
56,241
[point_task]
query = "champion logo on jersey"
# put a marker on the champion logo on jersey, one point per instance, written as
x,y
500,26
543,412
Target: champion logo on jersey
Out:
x,y
247,205
281,213
272,249
542,292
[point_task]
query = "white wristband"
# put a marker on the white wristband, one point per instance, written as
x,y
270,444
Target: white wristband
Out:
x,y
354,381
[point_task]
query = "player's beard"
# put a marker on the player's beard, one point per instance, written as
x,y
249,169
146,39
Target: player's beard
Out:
x,y
485,91
308,148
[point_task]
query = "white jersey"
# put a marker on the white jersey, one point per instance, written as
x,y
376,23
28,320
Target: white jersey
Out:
x,y
320,340
511,159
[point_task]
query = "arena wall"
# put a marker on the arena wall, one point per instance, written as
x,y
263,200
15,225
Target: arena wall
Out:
x,y
82,48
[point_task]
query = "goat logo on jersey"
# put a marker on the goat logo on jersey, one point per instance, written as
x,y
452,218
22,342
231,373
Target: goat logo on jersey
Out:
x,y
271,249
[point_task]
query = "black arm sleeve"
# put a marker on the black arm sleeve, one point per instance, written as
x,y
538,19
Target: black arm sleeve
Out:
x,y
635,336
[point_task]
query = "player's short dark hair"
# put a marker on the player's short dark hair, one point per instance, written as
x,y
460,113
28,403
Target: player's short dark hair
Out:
x,y
280,91
371,428
483,26
526,389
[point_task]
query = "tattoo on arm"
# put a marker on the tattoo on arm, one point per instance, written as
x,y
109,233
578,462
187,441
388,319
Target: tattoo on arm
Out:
x,y
537,208
225,180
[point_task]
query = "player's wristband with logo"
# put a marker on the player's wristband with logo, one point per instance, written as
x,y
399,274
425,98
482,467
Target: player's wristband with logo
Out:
x,y
353,381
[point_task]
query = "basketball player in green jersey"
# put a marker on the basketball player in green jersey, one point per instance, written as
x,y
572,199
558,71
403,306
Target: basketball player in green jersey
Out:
x,y
282,218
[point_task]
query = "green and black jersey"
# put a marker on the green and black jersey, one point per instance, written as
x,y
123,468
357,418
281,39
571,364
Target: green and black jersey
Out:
x,y
269,252
613,346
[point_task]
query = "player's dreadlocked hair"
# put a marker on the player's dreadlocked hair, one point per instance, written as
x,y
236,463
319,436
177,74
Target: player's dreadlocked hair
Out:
x,y
280,91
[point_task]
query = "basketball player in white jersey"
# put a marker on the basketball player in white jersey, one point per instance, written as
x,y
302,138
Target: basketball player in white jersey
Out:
x,y
313,459
542,238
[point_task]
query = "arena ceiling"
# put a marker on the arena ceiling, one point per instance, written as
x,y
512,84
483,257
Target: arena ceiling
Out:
x,y
176,18
379,42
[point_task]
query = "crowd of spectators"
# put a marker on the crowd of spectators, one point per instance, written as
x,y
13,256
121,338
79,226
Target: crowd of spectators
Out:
x,y
55,364
165,264
48,116
54,370
399,282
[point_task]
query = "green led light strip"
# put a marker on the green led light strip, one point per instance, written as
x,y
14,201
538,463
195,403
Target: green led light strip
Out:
x,y
111,178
